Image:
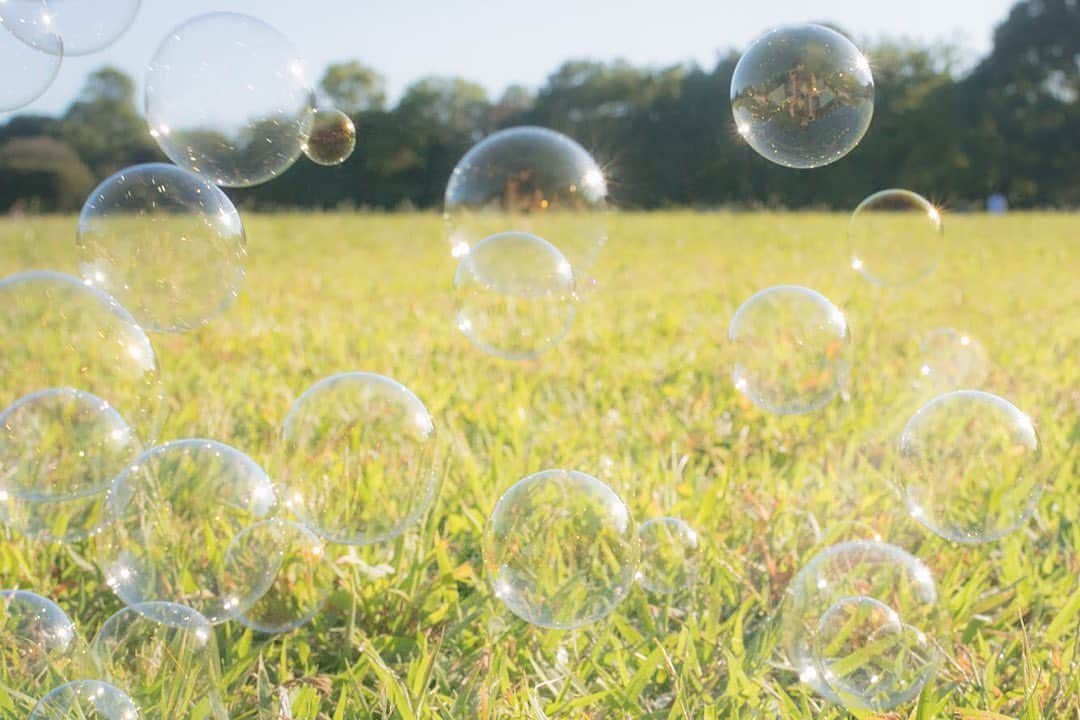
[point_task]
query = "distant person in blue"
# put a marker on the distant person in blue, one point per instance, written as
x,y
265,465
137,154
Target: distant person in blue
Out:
x,y
997,204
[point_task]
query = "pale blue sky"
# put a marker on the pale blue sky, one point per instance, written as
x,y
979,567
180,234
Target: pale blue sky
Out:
x,y
498,42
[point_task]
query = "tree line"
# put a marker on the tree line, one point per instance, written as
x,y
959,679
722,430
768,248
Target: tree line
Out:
x,y
665,136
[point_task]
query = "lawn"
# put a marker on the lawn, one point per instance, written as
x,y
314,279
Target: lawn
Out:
x,y
639,394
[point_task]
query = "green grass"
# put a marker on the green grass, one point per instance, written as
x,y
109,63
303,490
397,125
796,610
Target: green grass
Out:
x,y
640,395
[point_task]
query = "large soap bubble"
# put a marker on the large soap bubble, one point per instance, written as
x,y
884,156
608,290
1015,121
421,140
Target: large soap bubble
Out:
x,y
86,700
177,509
30,52
55,332
530,180
515,295
85,26
969,466
560,549
858,569
227,98
38,646
164,242
165,656
59,451
802,96
670,556
896,238
791,350
360,458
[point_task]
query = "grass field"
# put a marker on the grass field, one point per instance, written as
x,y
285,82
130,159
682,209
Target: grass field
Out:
x,y
640,395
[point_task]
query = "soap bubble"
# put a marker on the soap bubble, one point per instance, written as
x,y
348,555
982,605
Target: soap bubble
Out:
x,y
869,657
84,26
515,296
38,646
951,360
670,559
303,580
59,451
332,139
167,244
55,332
868,569
529,180
896,238
792,350
85,700
30,52
177,508
802,96
561,549
227,98
166,658
969,466
360,458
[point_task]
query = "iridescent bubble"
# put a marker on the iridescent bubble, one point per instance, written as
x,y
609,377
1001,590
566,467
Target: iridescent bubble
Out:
x,y
56,332
360,458
791,350
969,466
951,360
529,180
177,508
896,238
858,569
165,656
84,26
30,52
515,296
86,700
167,244
561,549
332,139
227,98
38,646
869,657
59,451
802,96
303,581
670,557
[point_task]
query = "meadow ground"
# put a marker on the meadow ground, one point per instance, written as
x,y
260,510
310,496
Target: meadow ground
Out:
x,y
640,395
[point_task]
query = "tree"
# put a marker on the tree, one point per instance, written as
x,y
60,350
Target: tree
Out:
x,y
42,173
354,87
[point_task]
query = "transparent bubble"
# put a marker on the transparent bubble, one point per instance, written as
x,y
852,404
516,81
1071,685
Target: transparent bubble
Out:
x,y
791,348
332,139
84,26
869,657
177,508
166,658
529,180
38,644
561,549
30,52
895,238
802,96
866,569
515,296
86,700
227,98
360,458
59,451
167,244
303,580
951,360
670,558
55,332
969,466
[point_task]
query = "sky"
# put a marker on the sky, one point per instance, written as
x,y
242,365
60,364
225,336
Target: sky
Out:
x,y
502,42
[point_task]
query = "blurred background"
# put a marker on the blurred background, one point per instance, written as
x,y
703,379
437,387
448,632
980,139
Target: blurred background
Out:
x,y
976,99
